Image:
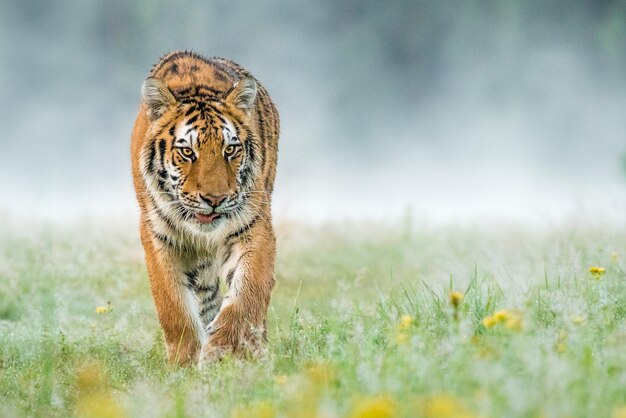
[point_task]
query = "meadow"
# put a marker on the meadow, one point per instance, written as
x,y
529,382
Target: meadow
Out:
x,y
367,320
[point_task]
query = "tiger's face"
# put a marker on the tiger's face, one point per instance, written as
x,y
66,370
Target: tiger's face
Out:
x,y
208,153
199,162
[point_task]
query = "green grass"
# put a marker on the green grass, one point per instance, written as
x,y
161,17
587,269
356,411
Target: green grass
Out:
x,y
337,343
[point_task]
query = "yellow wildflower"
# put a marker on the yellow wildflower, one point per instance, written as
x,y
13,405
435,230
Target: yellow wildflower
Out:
x,y
561,343
405,322
280,379
597,272
103,309
99,405
578,319
440,406
487,352
259,410
614,256
90,377
489,321
401,338
444,406
511,319
514,323
501,315
620,412
377,407
321,373
455,299
95,397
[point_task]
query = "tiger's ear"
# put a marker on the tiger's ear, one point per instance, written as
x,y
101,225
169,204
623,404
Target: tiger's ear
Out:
x,y
157,96
243,94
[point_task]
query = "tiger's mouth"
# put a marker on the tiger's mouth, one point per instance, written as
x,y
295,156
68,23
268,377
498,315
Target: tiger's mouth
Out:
x,y
214,216
207,219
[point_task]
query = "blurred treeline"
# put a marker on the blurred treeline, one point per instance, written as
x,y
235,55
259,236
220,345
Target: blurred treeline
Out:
x,y
534,89
392,53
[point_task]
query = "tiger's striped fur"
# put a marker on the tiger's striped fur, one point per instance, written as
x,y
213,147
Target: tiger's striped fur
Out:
x,y
204,150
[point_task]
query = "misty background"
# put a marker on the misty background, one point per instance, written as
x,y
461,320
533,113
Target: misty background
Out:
x,y
449,110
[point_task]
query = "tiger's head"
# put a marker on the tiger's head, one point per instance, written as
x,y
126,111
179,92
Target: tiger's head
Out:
x,y
199,160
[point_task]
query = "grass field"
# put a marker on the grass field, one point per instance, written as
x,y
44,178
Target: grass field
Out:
x,y
367,320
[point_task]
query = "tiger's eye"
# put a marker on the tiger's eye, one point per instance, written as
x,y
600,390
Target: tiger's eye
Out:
x,y
187,152
229,150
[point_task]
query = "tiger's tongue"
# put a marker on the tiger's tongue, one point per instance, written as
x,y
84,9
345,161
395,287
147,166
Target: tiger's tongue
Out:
x,y
207,219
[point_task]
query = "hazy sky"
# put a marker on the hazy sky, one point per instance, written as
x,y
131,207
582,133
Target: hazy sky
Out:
x,y
453,110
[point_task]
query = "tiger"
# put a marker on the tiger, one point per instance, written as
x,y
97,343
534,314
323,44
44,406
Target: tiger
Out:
x,y
204,148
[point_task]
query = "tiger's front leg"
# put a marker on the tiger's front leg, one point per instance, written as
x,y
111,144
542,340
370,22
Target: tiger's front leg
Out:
x,y
178,317
239,326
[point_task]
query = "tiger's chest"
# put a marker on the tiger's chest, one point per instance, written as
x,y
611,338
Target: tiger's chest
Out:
x,y
201,272
202,282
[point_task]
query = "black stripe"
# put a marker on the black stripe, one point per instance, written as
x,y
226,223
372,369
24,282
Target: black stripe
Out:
x,y
192,279
167,58
151,157
228,252
192,120
230,275
225,66
190,110
183,92
209,88
208,302
213,293
163,216
243,229
162,151
263,139
205,288
197,101
164,239
247,165
188,94
207,308
249,147
192,275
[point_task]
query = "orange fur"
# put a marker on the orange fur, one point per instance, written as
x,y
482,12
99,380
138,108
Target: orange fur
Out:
x,y
204,151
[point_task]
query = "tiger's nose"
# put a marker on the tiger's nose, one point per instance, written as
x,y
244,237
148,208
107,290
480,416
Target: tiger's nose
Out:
x,y
213,200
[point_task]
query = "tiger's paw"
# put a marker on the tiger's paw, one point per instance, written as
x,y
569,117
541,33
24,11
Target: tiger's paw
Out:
x,y
212,354
222,341
221,344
